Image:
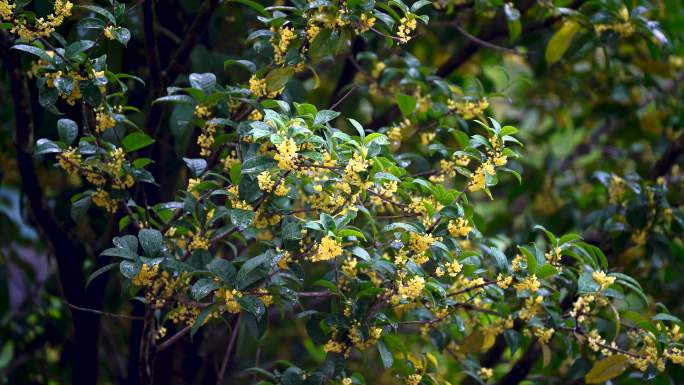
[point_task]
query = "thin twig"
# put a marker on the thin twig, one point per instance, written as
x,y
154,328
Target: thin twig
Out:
x,y
340,100
104,313
229,350
173,339
481,42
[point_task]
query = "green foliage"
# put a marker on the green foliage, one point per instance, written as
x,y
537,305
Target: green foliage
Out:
x,y
346,204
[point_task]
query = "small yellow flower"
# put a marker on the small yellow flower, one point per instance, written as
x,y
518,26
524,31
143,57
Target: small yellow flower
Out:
x,y
602,279
459,227
486,373
327,249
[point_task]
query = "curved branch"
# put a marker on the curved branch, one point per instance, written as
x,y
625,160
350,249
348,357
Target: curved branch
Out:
x,y
669,158
197,28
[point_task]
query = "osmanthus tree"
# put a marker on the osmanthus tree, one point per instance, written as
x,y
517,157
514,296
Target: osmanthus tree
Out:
x,y
248,214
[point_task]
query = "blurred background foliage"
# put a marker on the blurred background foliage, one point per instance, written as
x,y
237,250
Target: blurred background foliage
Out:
x,y
598,123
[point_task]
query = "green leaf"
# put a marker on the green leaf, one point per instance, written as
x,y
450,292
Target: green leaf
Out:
x,y
202,288
406,103
258,164
552,238
399,225
223,269
241,218
205,82
254,5
6,354
278,78
151,241
122,35
500,260
100,271
196,166
324,116
46,146
75,49
606,369
245,63
666,317
33,51
100,11
68,130
135,141
324,43
199,321
560,41
252,305
129,269
80,207
253,270
385,355
185,99
513,22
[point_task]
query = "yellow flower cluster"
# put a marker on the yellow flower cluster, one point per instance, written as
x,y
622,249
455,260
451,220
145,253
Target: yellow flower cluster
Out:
x,y
69,160
504,282
43,26
377,71
185,314
409,290
496,154
146,275
478,181
616,190
327,249
356,337
334,347
531,307
284,35
406,25
76,77
468,109
265,181
206,139
108,32
101,198
623,28
485,373
602,279
427,137
286,154
202,112
414,379
461,160
192,184
230,297
163,287
543,335
394,133
103,121
365,23
459,227
349,267
198,242
452,269
419,244
6,10
553,257
312,30
385,192
356,164
530,283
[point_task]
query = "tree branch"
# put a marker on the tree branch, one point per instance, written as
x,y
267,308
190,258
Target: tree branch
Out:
x,y
197,28
669,158
229,352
